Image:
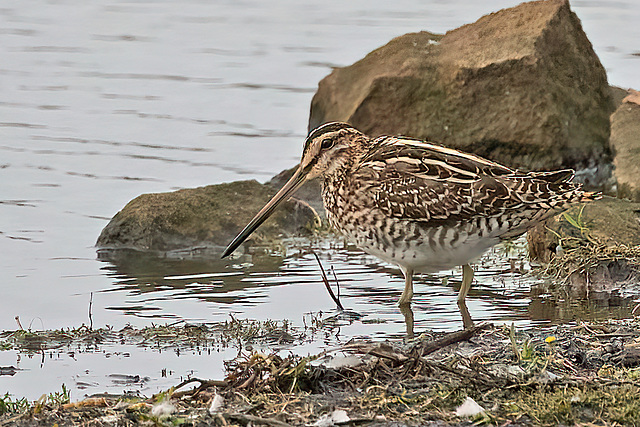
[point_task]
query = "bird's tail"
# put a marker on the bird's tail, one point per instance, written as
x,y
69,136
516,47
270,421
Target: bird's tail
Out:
x,y
588,196
566,176
555,177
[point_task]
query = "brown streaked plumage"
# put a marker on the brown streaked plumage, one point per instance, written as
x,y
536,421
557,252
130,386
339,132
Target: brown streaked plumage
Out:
x,y
418,205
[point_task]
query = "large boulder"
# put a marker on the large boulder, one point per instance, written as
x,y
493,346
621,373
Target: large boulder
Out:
x,y
625,140
207,217
521,86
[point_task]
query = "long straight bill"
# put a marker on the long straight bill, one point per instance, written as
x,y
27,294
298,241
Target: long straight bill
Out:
x,y
296,180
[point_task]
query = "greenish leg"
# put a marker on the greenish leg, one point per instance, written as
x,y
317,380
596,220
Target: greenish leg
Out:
x,y
408,319
407,294
467,278
467,322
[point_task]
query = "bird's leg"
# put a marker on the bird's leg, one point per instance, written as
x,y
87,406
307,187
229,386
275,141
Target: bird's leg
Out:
x,y
467,322
406,311
407,294
467,278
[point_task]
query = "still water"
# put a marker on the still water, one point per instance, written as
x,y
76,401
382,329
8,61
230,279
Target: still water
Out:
x,y
102,101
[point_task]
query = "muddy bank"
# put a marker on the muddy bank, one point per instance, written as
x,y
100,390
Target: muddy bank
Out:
x,y
568,374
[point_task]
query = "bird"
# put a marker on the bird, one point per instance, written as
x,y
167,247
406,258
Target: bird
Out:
x,y
416,204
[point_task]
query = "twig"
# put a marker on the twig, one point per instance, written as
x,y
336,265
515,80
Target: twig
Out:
x,y
453,338
12,420
18,322
333,271
474,377
326,283
204,384
388,352
90,314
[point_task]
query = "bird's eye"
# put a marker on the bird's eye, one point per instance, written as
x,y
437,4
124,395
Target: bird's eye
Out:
x,y
327,143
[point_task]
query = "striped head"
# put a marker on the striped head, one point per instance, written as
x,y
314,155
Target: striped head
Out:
x,y
327,149
330,147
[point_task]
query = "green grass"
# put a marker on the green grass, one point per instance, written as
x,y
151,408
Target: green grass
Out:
x,y
10,405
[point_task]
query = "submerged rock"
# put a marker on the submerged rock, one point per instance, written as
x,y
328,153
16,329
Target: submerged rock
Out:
x,y
521,86
208,216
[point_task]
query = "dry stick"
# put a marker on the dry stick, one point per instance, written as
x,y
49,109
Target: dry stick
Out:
x,y
207,383
203,385
326,283
90,315
453,338
18,322
10,421
387,352
333,271
473,377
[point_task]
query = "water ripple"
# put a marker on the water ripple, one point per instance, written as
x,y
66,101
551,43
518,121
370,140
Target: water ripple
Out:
x,y
148,76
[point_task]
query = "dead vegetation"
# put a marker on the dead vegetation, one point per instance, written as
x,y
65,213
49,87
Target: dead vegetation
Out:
x,y
587,259
580,374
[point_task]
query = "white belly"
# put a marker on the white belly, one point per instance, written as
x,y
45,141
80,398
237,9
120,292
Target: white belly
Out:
x,y
424,250
423,258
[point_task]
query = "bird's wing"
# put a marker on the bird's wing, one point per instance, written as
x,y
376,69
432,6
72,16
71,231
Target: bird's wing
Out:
x,y
418,181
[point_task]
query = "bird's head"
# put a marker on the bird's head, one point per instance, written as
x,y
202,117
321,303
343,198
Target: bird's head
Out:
x,y
327,149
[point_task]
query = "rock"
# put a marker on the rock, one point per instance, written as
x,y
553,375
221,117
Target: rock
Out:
x,y
216,404
469,408
625,141
618,95
521,86
337,417
208,216
163,409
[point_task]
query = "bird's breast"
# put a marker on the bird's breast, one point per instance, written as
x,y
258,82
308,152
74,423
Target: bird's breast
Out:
x,y
409,243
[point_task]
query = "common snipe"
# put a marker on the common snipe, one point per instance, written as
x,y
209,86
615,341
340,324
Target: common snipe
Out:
x,y
420,206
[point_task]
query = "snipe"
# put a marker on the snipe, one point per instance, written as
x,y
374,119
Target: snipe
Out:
x,y
420,206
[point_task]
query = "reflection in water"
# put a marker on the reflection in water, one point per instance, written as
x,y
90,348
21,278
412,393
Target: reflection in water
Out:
x,y
554,309
204,278
289,285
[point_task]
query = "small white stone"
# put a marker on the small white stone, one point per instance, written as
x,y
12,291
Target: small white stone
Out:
x,y
163,409
469,408
216,404
328,420
342,361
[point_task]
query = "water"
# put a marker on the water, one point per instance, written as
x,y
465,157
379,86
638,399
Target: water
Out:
x,y
102,101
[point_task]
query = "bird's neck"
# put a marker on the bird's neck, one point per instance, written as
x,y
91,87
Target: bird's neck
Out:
x,y
348,161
